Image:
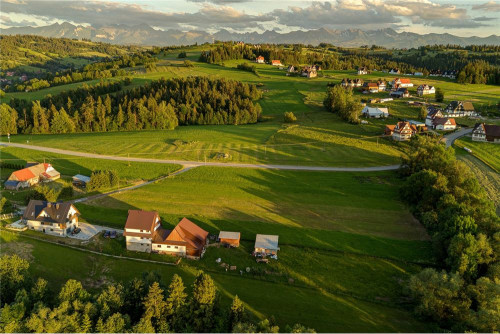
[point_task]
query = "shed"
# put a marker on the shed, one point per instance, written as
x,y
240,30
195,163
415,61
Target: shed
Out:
x,y
267,244
11,185
80,180
229,238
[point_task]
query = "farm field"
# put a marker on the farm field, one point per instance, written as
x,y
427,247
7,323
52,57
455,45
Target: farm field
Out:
x,y
288,303
350,202
488,153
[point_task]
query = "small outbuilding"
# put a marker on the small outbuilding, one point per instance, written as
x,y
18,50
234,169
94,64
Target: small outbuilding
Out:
x,y
80,180
229,238
266,244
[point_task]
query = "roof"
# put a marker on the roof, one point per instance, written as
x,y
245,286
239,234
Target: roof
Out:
x,y
229,235
276,61
189,233
11,183
260,57
390,127
23,174
141,220
266,241
371,84
82,178
444,120
461,105
32,171
492,130
56,212
375,110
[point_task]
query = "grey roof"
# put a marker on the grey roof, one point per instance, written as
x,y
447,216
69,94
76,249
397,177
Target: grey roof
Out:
x,y
82,178
57,212
229,235
266,241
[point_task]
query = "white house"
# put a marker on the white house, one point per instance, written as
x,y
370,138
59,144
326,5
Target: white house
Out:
x,y
444,123
425,90
403,131
140,228
52,218
486,133
401,83
362,70
431,115
375,112
260,60
461,109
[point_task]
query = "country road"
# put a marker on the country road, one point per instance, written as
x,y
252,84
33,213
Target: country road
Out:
x,y
450,138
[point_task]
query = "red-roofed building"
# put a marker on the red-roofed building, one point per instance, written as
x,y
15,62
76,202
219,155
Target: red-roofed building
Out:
x,y
143,233
401,83
260,60
276,63
31,175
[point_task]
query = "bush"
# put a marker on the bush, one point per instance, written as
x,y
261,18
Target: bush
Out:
x,y
43,193
439,95
182,55
247,67
5,205
289,117
103,179
188,63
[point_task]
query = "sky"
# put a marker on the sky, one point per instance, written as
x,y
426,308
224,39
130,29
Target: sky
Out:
x,y
457,17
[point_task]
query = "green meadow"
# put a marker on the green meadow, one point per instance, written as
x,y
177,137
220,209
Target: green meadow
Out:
x,y
288,303
488,153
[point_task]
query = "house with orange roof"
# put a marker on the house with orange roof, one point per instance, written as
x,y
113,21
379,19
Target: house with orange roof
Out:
x,y
31,175
401,83
260,60
144,233
276,63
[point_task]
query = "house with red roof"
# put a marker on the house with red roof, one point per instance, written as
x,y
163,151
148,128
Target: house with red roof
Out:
x,y
401,83
276,63
260,60
144,233
31,175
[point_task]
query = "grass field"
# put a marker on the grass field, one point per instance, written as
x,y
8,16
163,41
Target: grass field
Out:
x,y
289,303
69,165
488,153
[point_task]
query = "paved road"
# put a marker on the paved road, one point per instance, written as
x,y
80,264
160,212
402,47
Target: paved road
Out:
x,y
191,164
450,138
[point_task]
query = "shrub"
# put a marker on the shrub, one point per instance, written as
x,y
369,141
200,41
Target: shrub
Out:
x,y
182,55
103,179
289,117
188,63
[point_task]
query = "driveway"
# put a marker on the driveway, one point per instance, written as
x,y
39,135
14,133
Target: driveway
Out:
x,y
89,230
450,138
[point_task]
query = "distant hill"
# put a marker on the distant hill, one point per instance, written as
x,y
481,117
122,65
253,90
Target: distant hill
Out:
x,y
145,35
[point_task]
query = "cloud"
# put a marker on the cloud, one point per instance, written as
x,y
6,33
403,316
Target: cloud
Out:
x,y
8,22
101,13
484,19
221,2
490,6
354,13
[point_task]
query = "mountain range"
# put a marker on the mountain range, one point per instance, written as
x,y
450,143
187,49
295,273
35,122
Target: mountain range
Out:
x,y
145,35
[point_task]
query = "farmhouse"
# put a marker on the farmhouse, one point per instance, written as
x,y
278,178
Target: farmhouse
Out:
x,y
260,60
403,131
381,85
444,123
276,63
32,175
431,115
375,112
362,70
351,82
395,71
51,218
229,238
371,87
460,109
401,82
266,244
291,69
309,71
425,90
486,133
143,233
400,92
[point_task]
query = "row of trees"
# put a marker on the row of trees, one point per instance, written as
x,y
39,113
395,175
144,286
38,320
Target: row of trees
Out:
x,y
161,104
465,229
143,305
342,102
103,179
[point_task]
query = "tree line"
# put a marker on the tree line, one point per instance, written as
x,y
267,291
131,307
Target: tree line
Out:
x,y
143,305
462,294
161,104
342,102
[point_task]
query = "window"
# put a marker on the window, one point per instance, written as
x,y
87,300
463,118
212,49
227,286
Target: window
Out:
x,y
142,231
52,230
176,247
159,246
168,246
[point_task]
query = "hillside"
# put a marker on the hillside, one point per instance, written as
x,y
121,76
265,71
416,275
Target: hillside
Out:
x,y
143,34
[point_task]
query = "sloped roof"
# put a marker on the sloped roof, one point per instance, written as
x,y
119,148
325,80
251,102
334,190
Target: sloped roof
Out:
x,y
141,220
23,174
461,106
32,171
82,178
266,241
492,130
188,232
443,121
229,235
57,212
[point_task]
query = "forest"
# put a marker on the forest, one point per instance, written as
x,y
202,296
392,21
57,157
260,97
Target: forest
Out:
x,y
161,104
143,305
462,293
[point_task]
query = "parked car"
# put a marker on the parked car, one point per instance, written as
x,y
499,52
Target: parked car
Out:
x,y
112,234
107,234
76,231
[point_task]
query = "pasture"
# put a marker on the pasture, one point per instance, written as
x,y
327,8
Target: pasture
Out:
x,y
488,153
305,302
